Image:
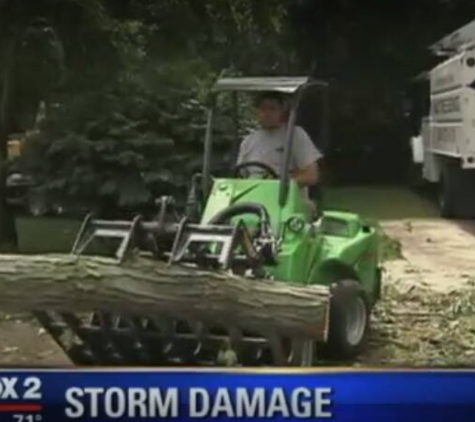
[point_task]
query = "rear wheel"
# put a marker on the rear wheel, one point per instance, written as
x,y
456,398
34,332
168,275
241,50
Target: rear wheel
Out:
x,y
349,321
448,196
456,198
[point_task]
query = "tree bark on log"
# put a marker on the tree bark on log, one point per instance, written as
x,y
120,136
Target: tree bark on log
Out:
x,y
142,287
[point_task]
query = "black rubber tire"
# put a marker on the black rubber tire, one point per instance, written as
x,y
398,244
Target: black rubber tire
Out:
x,y
447,195
456,199
339,347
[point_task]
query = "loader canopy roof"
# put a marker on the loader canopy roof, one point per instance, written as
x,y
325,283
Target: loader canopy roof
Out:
x,y
287,85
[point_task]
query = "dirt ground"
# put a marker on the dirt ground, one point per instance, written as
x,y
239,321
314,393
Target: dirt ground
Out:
x,y
24,343
425,317
438,254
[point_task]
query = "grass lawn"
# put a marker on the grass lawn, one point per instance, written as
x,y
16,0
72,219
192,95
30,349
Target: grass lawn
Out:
x,y
380,203
41,235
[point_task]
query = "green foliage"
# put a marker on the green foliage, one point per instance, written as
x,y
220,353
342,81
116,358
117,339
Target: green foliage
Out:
x,y
132,141
124,137
119,144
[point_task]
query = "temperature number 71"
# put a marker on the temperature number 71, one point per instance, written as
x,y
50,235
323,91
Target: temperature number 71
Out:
x,y
27,418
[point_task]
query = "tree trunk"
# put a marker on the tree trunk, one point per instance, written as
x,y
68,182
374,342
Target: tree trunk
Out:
x,y
8,232
142,287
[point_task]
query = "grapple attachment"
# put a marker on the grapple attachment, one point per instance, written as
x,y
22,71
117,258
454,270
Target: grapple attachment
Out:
x,y
104,339
209,335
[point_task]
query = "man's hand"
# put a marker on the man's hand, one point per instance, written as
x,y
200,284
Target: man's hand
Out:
x,y
307,176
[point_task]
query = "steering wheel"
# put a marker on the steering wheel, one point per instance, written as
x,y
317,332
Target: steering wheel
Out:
x,y
270,173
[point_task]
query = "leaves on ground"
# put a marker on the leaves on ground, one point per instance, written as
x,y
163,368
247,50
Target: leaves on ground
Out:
x,y
416,326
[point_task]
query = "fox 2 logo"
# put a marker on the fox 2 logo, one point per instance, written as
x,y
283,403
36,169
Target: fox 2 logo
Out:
x,y
15,388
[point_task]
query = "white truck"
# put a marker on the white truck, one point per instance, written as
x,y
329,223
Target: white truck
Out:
x,y
443,146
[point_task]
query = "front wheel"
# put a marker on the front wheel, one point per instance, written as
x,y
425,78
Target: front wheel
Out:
x,y
349,321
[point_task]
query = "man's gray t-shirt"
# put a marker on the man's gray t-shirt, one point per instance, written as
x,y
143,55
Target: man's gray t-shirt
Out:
x,y
267,146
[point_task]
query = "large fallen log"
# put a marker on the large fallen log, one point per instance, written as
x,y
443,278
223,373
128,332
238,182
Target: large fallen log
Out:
x,y
139,286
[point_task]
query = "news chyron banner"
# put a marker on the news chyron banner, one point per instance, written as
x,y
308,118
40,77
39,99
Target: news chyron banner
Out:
x,y
212,395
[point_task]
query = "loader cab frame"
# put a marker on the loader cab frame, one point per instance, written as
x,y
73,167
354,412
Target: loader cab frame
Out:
x,y
298,88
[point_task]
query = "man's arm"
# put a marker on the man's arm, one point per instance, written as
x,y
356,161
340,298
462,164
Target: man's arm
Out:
x,y
307,176
306,157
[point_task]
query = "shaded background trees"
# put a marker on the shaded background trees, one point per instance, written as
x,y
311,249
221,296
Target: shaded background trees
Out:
x,y
124,84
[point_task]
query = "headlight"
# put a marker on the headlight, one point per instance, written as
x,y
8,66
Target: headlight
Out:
x,y
295,224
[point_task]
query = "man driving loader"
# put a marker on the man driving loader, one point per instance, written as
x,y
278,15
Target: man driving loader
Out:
x,y
267,145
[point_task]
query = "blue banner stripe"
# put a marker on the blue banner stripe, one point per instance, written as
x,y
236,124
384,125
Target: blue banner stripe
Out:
x,y
367,396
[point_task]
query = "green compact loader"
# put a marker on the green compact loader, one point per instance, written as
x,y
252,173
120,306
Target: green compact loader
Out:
x,y
251,229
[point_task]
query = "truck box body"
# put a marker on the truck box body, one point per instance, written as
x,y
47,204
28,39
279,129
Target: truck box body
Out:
x,y
443,145
452,114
